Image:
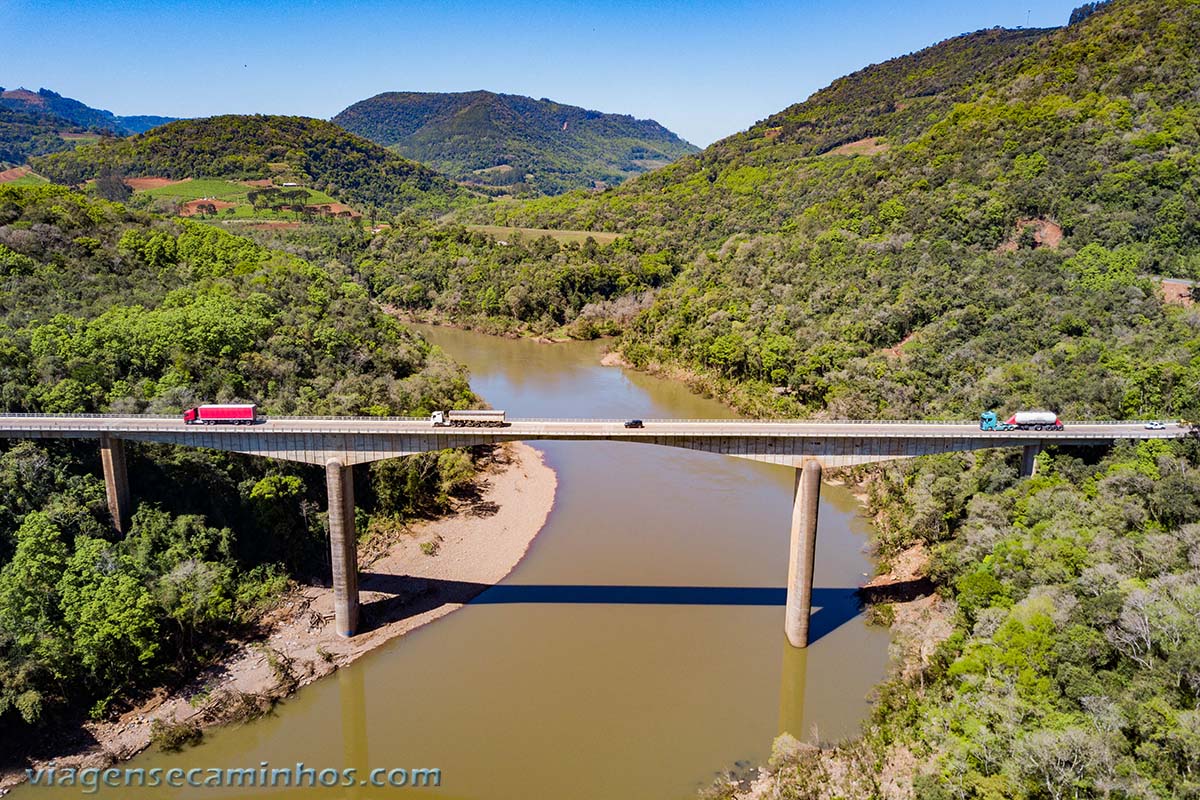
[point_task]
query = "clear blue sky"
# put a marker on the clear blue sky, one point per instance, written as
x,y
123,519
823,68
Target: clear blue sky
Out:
x,y
704,69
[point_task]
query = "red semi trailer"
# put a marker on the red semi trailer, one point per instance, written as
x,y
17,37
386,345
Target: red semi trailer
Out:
x,y
227,414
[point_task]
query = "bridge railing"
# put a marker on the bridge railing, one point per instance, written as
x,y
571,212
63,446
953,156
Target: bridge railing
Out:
x,y
749,421
89,416
734,421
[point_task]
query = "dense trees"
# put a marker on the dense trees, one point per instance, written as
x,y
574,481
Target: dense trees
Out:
x,y
518,143
53,106
1072,671
104,309
23,136
316,153
540,283
1086,10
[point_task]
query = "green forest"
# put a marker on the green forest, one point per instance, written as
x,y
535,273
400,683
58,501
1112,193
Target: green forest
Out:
x,y
52,106
104,309
512,143
981,224
309,151
23,136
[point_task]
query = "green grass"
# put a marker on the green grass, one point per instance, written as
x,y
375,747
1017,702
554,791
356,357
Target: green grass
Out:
x,y
197,188
316,198
27,180
504,232
79,138
229,191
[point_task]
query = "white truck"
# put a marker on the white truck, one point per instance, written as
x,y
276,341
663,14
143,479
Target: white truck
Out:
x,y
478,418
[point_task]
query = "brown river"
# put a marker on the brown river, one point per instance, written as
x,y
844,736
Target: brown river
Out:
x,y
636,652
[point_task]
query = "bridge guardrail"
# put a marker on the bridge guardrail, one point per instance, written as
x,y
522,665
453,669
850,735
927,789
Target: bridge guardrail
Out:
x,y
731,422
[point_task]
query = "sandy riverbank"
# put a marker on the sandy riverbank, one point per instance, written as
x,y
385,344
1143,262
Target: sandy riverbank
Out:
x,y
401,588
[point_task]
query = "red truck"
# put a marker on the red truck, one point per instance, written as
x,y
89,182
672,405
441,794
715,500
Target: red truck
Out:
x,y
227,414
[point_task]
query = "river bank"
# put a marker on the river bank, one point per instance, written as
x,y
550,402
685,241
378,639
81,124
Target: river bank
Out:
x,y
407,579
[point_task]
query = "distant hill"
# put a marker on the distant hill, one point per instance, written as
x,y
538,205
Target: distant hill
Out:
x,y
44,102
308,151
526,145
23,136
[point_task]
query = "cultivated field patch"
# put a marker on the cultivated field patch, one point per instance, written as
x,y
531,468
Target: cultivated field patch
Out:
x,y
871,146
202,189
9,175
80,138
193,207
143,184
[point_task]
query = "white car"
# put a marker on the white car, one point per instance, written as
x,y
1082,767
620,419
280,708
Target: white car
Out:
x,y
1155,426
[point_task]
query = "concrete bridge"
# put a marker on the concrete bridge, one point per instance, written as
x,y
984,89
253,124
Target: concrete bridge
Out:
x,y
337,443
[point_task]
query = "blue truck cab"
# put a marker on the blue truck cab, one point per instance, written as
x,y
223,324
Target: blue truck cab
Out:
x,y
988,421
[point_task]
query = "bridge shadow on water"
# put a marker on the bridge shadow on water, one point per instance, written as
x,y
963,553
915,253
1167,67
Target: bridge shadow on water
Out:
x,y
411,596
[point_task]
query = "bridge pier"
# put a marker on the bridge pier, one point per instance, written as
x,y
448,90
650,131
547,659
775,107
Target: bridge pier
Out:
x,y
805,504
343,545
1029,456
116,480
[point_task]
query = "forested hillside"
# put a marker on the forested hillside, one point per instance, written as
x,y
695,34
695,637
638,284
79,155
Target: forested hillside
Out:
x,y
1067,665
45,103
23,136
316,153
518,143
966,227
107,310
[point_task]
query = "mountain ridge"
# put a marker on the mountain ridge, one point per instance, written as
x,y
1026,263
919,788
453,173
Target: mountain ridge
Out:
x,y
44,102
261,146
513,141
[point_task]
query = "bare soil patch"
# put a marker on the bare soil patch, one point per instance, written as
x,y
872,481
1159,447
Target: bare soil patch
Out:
x,y
895,350
33,98
613,358
871,146
335,208
259,182
14,173
142,184
1046,233
1175,292
192,207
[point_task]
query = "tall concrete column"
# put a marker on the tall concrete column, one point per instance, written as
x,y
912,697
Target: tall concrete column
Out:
x,y
1029,460
116,480
805,503
343,544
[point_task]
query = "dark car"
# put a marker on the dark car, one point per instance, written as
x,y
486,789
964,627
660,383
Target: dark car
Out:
x,y
634,423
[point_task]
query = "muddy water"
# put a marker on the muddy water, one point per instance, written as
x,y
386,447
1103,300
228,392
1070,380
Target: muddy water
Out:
x,y
636,652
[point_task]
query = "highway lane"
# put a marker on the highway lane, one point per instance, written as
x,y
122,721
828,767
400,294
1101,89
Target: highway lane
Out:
x,y
584,429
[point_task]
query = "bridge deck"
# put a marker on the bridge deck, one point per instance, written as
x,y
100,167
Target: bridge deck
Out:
x,y
94,425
